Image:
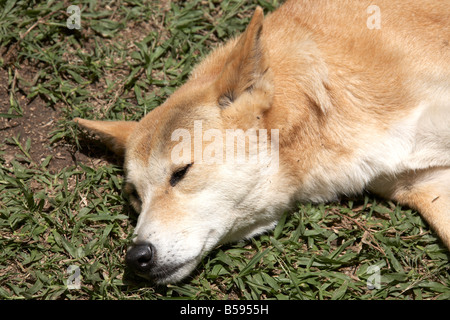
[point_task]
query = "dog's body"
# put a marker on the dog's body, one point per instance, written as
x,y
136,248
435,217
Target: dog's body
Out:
x,y
356,108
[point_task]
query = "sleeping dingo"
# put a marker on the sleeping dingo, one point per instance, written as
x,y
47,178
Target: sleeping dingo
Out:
x,y
322,103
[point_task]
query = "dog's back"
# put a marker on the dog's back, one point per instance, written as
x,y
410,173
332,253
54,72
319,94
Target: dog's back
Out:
x,y
384,92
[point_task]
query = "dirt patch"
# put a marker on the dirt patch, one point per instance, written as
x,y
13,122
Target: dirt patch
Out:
x,y
36,123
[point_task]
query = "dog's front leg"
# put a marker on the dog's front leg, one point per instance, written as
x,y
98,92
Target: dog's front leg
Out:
x,y
427,191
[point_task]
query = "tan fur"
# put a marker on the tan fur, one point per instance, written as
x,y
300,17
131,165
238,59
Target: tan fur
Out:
x,y
113,133
355,108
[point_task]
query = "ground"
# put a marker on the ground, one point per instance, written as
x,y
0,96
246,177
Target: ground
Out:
x,y
61,202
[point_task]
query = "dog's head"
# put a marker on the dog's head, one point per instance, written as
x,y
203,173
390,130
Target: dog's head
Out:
x,y
192,193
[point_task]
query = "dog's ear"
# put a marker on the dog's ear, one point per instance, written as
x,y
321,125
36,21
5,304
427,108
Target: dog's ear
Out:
x,y
246,64
114,134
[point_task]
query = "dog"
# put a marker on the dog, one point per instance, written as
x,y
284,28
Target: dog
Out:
x,y
353,100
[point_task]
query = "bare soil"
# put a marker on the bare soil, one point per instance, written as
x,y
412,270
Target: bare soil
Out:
x,y
37,122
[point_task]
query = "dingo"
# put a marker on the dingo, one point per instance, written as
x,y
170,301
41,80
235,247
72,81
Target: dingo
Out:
x,y
356,107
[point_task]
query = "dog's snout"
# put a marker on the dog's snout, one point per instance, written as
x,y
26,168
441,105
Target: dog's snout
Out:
x,y
140,258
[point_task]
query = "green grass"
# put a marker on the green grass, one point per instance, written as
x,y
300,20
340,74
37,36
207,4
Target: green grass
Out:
x,y
126,59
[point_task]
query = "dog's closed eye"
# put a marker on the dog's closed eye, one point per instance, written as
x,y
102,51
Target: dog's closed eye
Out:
x,y
178,175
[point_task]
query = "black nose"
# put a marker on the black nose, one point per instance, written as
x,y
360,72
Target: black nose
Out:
x,y
140,258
